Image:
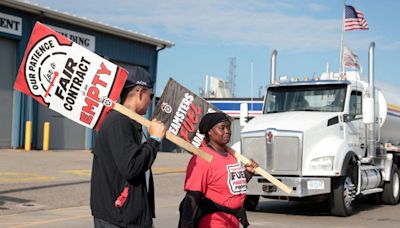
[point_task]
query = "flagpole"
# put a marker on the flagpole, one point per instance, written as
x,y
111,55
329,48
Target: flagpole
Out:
x,y
341,68
251,75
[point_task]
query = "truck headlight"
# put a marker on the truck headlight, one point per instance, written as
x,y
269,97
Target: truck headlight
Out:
x,y
322,163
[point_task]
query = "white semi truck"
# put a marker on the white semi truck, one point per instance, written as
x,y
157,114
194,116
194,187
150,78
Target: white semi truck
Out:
x,y
333,138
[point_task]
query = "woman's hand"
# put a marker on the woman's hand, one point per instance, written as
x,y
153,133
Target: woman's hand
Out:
x,y
251,166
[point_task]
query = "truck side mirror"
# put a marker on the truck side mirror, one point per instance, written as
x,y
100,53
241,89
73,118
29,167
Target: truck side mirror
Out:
x,y
368,110
244,113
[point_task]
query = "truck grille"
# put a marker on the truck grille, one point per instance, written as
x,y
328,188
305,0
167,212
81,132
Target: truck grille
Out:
x,y
255,148
282,155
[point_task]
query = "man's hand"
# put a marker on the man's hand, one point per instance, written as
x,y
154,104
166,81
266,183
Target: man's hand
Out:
x,y
157,129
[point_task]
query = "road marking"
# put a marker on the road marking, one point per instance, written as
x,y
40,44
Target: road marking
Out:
x,y
13,177
79,172
51,221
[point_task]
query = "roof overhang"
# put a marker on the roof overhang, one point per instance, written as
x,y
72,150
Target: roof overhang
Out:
x,y
85,22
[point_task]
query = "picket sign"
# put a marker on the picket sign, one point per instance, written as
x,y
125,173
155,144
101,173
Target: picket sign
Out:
x,y
68,78
192,149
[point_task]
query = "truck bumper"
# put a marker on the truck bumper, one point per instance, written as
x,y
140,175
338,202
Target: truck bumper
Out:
x,y
301,186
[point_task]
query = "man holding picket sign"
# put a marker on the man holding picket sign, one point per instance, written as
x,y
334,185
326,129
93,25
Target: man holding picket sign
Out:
x,y
122,190
73,81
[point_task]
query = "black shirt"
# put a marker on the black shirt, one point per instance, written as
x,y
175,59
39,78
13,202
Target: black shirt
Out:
x,y
119,159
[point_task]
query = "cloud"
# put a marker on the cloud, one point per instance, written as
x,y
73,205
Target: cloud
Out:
x,y
315,7
391,45
285,25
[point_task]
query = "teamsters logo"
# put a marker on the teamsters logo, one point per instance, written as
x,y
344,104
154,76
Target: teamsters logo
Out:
x,y
165,107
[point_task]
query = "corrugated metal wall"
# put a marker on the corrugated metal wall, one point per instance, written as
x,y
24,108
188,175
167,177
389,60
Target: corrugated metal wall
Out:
x,y
7,72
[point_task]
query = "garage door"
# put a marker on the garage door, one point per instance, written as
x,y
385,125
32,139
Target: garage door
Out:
x,y
7,76
64,133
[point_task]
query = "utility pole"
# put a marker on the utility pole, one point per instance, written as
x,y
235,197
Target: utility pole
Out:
x,y
232,75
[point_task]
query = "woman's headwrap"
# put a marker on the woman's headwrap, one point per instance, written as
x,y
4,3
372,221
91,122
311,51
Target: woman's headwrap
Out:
x,y
210,120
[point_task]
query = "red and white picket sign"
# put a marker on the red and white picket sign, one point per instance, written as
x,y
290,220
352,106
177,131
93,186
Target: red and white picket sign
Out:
x,y
68,78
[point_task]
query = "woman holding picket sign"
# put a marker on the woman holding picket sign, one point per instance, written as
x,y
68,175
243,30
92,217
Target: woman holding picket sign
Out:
x,y
216,190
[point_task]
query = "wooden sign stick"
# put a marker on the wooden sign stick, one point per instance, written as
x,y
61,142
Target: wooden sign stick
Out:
x,y
173,138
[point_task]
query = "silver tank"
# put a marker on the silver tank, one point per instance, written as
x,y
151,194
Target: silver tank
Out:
x,y
389,105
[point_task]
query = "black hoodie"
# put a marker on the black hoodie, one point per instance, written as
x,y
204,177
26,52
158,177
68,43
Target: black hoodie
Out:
x,y
120,158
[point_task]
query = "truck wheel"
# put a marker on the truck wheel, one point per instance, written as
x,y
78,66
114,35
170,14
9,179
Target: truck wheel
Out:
x,y
251,201
343,195
391,189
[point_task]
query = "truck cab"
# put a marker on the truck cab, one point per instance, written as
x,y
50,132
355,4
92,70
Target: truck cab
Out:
x,y
322,139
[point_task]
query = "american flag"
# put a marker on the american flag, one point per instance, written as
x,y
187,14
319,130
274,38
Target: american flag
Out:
x,y
354,19
350,59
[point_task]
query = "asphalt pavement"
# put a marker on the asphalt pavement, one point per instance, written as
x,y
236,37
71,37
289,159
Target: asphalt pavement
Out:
x,y
51,188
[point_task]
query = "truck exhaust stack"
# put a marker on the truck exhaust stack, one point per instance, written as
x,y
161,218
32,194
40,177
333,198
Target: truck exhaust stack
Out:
x,y
273,67
371,140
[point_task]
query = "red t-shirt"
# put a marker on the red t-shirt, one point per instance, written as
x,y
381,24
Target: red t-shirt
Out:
x,y
222,180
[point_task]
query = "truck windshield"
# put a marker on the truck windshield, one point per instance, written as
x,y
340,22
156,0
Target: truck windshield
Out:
x,y
319,98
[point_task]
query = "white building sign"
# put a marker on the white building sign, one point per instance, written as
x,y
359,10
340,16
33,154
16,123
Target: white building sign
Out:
x,y
10,24
85,40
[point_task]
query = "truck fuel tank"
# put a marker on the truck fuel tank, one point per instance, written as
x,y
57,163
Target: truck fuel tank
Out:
x,y
390,130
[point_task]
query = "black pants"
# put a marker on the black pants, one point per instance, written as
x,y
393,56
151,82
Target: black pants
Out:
x,y
100,223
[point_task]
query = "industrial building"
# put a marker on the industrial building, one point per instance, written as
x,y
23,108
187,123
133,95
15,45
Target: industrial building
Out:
x,y
17,18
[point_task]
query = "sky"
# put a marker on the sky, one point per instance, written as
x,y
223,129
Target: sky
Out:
x,y
208,33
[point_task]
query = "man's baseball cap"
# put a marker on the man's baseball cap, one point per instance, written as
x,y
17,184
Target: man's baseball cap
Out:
x,y
138,76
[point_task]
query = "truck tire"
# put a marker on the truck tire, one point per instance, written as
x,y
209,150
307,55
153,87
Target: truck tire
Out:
x,y
251,201
343,194
391,189
375,198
